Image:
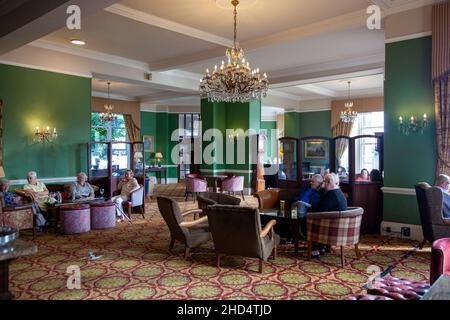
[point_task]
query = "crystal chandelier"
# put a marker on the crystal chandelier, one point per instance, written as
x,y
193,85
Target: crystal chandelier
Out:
x,y
349,115
108,116
234,81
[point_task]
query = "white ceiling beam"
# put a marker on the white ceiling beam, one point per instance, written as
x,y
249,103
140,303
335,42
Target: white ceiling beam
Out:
x,y
155,21
318,90
343,22
48,23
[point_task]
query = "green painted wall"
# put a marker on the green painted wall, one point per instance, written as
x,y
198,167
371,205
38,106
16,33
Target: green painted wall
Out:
x,y
270,147
39,98
408,92
223,116
161,125
307,124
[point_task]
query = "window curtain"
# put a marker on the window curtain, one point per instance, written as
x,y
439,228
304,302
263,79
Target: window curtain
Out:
x,y
441,77
442,95
341,129
134,132
1,133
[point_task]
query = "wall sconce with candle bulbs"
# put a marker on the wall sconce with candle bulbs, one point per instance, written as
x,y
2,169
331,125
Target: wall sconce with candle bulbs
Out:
x,y
414,125
46,135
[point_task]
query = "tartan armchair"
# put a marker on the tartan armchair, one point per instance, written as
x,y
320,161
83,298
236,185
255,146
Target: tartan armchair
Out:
x,y
335,229
21,218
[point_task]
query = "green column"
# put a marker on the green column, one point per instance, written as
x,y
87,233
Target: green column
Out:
x,y
230,116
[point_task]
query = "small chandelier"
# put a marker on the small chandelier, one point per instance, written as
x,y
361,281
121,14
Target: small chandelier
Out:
x,y
349,115
108,116
234,81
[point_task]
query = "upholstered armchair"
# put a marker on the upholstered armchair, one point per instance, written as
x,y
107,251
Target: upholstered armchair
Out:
x,y
191,233
195,186
136,201
211,198
339,228
440,259
233,185
236,231
21,217
434,225
270,199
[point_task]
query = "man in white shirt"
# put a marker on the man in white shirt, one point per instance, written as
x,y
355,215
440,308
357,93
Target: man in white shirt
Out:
x,y
443,182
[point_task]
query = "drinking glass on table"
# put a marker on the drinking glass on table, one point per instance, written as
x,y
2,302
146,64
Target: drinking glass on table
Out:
x,y
102,191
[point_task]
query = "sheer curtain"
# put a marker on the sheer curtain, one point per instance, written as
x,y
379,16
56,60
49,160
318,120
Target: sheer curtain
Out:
x,y
341,129
441,77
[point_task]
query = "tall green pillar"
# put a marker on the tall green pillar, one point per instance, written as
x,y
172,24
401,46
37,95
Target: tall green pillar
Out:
x,y
229,116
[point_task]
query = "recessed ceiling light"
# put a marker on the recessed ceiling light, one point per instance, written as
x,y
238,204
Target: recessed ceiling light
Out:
x,y
78,42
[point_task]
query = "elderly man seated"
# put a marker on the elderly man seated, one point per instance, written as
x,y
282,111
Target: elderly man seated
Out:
x,y
443,182
13,200
81,189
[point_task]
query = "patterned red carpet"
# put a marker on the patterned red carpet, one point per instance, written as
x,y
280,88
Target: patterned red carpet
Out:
x,y
136,264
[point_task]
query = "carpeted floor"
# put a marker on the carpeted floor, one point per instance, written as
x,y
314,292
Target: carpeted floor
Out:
x,y
136,264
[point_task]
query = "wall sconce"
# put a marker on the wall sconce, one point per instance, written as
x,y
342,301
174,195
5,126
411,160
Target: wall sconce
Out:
x,y
45,135
414,126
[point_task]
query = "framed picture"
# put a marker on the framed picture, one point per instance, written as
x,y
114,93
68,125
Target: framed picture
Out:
x,y
315,149
149,143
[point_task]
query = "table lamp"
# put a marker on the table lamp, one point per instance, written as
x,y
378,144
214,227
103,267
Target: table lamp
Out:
x,y
2,172
158,157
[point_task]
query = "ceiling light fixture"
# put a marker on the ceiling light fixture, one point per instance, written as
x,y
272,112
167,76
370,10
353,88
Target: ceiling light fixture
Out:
x,y
108,116
235,81
78,42
349,115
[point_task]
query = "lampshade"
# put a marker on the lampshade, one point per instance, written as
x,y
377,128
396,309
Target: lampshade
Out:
x,y
2,172
138,155
158,155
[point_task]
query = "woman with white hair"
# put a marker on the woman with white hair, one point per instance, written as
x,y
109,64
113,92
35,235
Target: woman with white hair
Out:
x,y
126,186
81,189
37,190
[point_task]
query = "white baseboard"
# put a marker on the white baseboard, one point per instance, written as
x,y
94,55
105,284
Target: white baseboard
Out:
x,y
396,228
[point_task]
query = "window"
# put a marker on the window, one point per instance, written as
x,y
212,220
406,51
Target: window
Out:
x,y
367,155
109,132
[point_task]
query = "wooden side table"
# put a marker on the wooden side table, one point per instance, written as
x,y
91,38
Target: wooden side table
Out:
x,y
21,249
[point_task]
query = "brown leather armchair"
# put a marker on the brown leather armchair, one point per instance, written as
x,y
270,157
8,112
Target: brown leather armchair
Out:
x,y
434,225
211,198
191,233
270,199
237,231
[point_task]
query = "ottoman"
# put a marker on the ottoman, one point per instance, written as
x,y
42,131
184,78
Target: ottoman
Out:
x,y
103,215
75,219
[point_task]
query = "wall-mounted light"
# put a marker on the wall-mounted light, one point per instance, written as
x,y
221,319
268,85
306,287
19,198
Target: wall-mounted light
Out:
x,y
414,125
45,135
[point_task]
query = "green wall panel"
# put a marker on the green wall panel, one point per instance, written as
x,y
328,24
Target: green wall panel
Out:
x,y
39,98
307,124
408,92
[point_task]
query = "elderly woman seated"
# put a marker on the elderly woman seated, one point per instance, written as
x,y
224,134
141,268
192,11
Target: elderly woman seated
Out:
x,y
126,186
81,189
12,200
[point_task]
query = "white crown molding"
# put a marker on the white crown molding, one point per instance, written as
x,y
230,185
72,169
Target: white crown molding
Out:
x,y
399,191
285,95
152,20
90,54
410,5
24,65
45,180
104,95
409,37
269,117
318,90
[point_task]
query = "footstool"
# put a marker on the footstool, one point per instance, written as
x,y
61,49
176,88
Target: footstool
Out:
x,y
103,215
75,219
400,289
